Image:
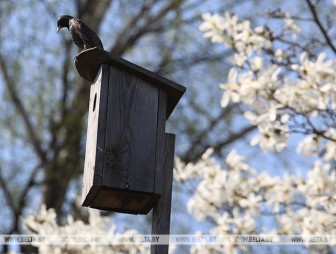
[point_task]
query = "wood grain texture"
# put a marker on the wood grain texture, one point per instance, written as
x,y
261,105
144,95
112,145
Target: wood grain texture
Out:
x,y
129,158
122,143
160,142
102,125
131,132
91,137
162,209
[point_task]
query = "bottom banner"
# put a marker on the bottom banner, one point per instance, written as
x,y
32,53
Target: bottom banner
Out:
x,y
169,239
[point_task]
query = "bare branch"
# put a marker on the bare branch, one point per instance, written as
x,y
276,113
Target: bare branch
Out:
x,y
93,11
318,22
192,155
132,32
16,100
24,192
6,191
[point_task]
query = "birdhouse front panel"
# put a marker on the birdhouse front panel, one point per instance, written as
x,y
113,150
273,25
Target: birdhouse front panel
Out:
x,y
131,132
125,142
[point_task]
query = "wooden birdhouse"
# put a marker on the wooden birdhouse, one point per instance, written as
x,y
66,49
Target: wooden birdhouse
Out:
x,y
126,146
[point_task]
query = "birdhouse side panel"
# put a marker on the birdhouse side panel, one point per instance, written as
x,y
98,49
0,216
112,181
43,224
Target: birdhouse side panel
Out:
x,y
160,141
91,138
95,142
130,145
101,125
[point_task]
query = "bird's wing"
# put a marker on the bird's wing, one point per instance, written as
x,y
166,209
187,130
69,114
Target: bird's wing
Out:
x,y
86,35
76,39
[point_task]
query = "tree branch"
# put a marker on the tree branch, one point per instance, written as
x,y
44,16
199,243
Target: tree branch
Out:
x,y
16,100
93,11
194,155
17,207
6,192
132,32
318,22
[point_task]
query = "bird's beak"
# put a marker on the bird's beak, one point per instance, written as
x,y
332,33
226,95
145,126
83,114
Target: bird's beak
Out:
x,y
58,28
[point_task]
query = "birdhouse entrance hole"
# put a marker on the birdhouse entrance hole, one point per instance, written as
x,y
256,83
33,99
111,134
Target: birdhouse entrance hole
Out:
x,y
94,102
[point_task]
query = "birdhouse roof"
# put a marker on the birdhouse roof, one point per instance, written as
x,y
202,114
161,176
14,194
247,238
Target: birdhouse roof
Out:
x,y
89,61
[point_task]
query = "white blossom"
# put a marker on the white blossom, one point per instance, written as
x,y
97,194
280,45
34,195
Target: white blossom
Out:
x,y
309,146
302,203
275,100
291,26
282,95
228,29
279,53
44,223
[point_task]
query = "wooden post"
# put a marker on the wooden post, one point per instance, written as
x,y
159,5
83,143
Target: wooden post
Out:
x,y
162,209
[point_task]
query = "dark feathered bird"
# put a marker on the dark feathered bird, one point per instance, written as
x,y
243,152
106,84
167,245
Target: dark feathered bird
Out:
x,y
80,33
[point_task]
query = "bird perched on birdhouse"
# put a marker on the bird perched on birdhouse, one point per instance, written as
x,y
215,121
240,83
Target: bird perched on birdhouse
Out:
x,y
80,33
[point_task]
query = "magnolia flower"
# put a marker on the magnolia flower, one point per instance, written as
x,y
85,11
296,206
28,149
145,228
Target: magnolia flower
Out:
x,y
279,54
309,146
228,29
251,203
98,225
321,180
330,150
239,60
44,217
291,26
242,223
235,161
271,138
232,89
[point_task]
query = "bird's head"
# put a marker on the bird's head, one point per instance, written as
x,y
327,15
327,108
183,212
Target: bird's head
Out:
x,y
63,21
